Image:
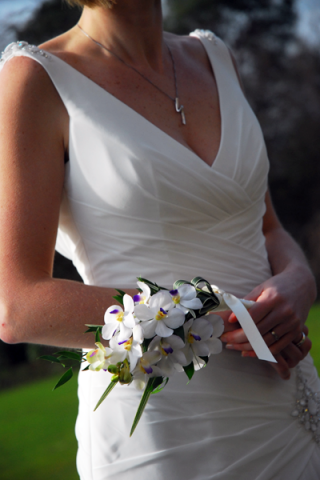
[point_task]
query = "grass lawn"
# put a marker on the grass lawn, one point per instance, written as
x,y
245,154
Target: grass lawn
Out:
x,y
37,438
37,425
313,323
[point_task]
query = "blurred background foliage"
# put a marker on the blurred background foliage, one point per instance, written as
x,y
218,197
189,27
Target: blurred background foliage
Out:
x,y
281,77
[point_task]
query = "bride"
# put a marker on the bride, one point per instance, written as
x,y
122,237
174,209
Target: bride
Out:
x,y
139,148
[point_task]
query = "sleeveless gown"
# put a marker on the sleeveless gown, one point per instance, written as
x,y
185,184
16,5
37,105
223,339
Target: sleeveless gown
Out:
x,y
137,202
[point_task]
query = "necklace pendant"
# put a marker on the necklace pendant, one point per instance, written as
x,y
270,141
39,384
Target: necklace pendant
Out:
x,y
180,109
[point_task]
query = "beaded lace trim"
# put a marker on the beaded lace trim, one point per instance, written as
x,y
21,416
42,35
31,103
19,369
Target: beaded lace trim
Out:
x,y
207,34
307,408
14,47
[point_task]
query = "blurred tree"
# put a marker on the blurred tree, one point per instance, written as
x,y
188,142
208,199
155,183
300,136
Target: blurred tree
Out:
x,y
281,76
52,18
282,82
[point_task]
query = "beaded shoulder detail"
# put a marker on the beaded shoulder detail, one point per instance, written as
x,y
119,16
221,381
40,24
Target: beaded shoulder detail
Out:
x,y
14,47
206,34
307,408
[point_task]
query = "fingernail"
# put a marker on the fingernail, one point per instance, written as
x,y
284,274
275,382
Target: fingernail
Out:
x,y
230,346
248,354
224,338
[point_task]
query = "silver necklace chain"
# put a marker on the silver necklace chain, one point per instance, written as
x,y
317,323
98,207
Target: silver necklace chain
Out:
x,y
178,108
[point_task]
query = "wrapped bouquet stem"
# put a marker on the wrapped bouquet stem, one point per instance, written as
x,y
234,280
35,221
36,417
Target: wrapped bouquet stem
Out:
x,y
159,332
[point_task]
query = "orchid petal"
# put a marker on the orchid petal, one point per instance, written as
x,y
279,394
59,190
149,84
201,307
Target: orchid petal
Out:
x,y
215,345
161,299
194,303
138,334
162,330
176,342
152,357
129,320
128,303
201,349
149,328
203,328
187,292
143,312
108,330
218,325
174,319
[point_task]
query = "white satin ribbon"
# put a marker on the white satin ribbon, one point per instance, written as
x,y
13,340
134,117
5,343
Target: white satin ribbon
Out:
x,y
239,308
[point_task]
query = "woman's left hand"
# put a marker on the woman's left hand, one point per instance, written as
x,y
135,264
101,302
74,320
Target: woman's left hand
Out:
x,y
280,312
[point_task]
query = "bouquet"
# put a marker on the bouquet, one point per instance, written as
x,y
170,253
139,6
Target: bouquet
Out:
x,y
160,332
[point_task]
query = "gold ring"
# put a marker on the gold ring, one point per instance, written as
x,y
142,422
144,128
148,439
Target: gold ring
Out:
x,y
275,336
301,341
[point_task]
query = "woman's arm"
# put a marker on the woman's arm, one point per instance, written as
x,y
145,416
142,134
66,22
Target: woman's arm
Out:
x,y
33,138
283,301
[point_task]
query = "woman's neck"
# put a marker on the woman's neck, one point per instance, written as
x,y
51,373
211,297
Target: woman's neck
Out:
x,y
131,29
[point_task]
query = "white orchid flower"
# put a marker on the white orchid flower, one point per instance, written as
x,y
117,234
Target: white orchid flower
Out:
x,y
159,317
185,298
197,336
130,348
214,343
146,369
116,319
173,359
144,296
101,358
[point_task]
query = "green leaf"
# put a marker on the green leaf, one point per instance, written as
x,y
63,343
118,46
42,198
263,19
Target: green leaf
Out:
x,y
189,369
110,387
192,313
153,286
180,333
197,280
178,284
64,379
205,359
97,338
51,358
86,368
144,400
163,383
70,355
118,299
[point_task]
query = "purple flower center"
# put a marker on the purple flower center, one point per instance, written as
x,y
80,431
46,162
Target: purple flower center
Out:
x,y
115,311
163,311
121,343
196,337
148,370
137,298
174,293
93,354
168,349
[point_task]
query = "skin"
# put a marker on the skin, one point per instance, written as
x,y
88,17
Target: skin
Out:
x,y
34,123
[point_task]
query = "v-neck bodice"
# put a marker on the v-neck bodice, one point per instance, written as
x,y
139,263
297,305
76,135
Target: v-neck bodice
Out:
x,y
138,202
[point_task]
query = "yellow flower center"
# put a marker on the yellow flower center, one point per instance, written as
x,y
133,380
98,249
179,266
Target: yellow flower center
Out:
x,y
161,315
119,316
128,344
190,338
176,299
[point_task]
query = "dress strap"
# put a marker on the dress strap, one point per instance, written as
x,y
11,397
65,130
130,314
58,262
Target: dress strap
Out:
x,y
217,50
52,64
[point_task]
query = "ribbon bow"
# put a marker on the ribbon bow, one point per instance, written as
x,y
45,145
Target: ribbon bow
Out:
x,y
239,308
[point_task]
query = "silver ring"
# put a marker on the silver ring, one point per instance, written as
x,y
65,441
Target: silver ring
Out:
x,y
275,336
301,342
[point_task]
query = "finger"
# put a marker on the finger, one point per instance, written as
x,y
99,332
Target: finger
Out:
x,y
256,312
282,368
292,355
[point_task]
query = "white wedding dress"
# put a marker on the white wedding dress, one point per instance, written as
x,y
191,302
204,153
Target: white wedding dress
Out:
x,y
137,202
